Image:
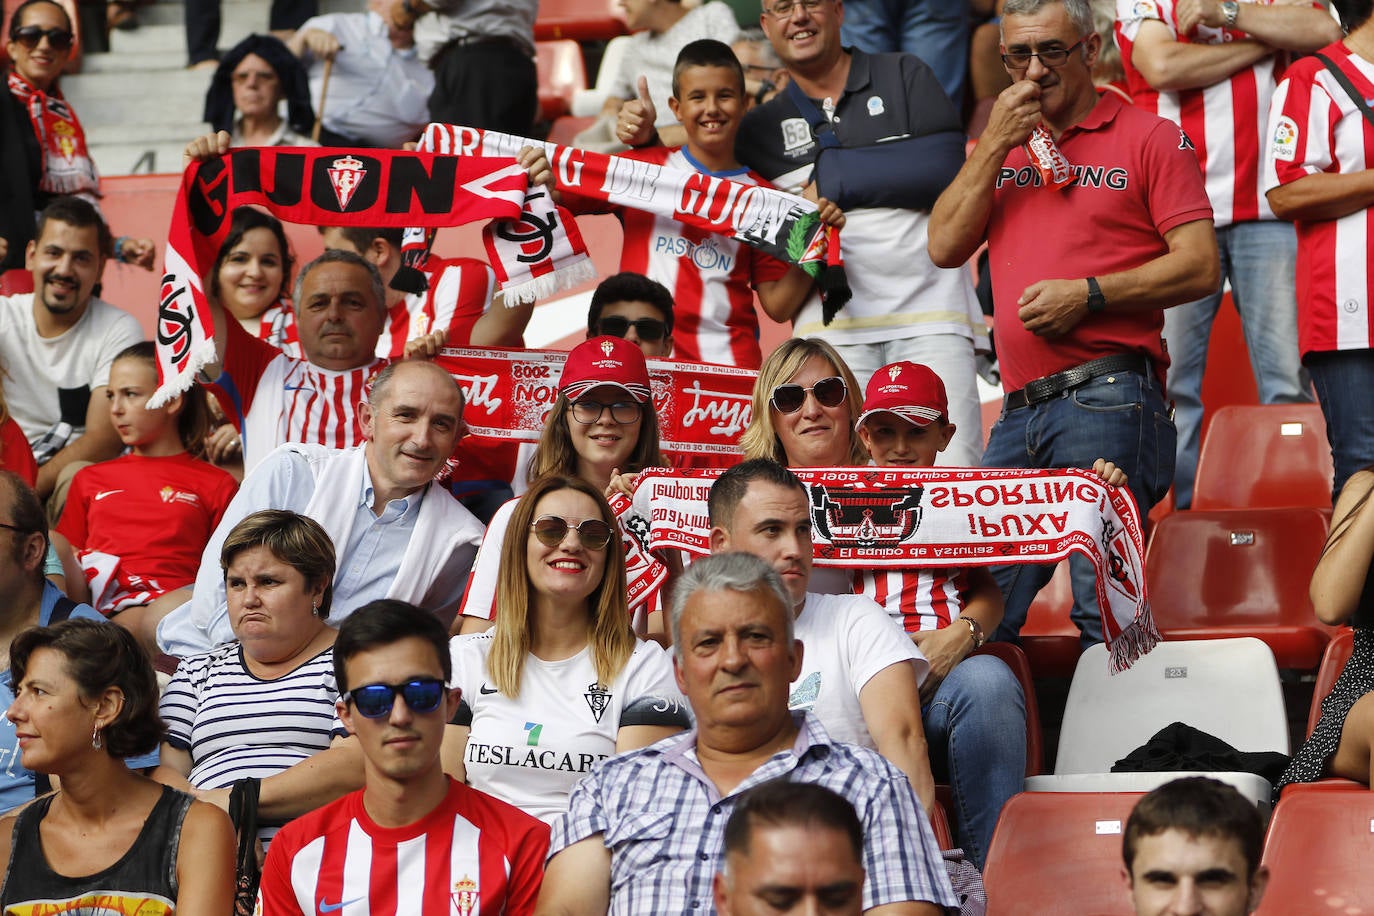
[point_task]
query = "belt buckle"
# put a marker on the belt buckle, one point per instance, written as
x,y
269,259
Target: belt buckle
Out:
x,y
1040,389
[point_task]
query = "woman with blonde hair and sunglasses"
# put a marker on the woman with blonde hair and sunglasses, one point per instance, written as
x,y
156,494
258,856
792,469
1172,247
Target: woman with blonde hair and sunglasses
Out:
x,y
805,403
561,681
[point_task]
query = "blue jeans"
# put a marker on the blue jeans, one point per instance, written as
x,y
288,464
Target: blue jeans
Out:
x,y
1122,418
1344,380
1260,259
936,31
976,729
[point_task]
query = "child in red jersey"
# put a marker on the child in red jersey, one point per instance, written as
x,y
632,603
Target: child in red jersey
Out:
x,y
139,523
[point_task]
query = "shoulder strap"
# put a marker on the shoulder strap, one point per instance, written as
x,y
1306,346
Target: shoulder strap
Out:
x,y
1348,86
821,128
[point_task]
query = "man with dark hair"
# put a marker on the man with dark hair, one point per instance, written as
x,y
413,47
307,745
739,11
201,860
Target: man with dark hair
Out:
x,y
397,533
632,306
26,599
456,310
1193,846
57,344
791,847
645,831
412,835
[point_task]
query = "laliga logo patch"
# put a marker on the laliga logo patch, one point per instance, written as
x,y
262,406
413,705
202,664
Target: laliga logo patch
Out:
x,y
875,106
345,174
465,896
1144,9
1285,145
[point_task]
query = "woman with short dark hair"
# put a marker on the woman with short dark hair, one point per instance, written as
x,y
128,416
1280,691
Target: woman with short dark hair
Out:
x,y
85,697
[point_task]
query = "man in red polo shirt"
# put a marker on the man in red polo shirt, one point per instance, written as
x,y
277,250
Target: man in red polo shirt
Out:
x,y
1081,272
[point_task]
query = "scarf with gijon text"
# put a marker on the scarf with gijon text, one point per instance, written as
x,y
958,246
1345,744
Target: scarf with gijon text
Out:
x,y
67,164
884,518
317,187
542,252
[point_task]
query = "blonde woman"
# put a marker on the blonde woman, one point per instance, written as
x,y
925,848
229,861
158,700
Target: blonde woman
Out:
x,y
806,401
561,682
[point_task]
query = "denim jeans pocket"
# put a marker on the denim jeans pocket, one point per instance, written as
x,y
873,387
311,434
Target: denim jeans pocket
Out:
x,y
1120,392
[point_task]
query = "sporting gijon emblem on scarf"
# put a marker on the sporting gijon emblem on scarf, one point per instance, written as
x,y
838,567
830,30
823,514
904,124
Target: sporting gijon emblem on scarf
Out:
x,y
884,518
316,187
345,174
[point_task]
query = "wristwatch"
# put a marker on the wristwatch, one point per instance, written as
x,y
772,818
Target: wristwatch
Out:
x,y
1096,301
1230,9
976,630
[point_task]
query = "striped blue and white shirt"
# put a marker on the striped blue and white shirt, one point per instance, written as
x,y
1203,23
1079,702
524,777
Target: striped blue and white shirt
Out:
x,y
663,820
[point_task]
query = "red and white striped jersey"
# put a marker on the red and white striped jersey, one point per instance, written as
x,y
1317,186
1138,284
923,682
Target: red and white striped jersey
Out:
x,y
711,276
918,599
471,856
1315,127
274,399
459,291
1225,121
277,326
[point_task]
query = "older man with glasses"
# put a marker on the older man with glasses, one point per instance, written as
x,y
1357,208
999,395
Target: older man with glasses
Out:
x,y
1096,220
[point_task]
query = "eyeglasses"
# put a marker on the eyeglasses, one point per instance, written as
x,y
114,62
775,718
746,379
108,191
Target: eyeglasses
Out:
x,y
551,530
588,412
30,35
784,9
650,329
1051,58
828,392
376,700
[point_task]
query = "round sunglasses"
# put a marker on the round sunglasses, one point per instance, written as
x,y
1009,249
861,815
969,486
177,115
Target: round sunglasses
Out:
x,y
648,329
551,530
30,35
374,701
828,392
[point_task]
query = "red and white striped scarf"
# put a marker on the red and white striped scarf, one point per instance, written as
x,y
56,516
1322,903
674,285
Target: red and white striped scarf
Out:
x,y
317,187
542,252
67,164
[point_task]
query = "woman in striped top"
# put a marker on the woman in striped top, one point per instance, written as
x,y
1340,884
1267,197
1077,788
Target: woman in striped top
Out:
x,y
256,706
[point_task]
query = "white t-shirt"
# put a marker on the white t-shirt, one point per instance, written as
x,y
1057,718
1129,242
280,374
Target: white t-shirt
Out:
x,y
530,751
848,639
77,360
480,598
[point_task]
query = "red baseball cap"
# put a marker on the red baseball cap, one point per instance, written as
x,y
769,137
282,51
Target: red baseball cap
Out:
x,y
605,361
910,390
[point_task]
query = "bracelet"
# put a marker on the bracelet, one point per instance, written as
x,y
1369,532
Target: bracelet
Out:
x,y
975,630
652,141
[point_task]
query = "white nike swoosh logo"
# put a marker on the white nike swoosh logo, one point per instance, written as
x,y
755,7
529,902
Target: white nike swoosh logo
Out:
x,y
104,493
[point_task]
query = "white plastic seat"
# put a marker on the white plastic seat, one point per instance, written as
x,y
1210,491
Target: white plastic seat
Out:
x,y
1228,688
586,103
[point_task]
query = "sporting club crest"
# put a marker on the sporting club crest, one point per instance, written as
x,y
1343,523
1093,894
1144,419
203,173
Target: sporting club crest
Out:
x,y
345,174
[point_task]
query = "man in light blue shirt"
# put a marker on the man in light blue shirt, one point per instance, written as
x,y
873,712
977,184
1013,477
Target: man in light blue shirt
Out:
x,y
396,532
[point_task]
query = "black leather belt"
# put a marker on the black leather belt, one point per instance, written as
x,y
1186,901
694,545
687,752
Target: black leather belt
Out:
x,y
1051,386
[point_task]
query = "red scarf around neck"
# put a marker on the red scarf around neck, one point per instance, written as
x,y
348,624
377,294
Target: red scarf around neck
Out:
x,y
67,164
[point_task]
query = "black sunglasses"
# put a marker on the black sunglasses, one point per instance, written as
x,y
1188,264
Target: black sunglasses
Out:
x,y
30,35
829,392
551,530
650,329
376,700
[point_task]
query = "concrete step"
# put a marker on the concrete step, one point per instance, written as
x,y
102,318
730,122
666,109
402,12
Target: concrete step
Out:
x,y
138,158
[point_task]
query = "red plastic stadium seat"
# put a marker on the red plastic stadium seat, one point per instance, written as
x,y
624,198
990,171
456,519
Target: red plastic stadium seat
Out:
x,y
580,20
1049,637
1318,852
16,281
1240,573
561,73
565,129
1263,456
1059,854
939,825
1016,660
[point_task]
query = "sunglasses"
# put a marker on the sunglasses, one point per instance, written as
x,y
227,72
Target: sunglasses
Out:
x,y
828,392
30,35
648,329
588,412
376,700
551,530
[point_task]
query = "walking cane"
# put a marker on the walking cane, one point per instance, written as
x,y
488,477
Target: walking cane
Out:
x,y
324,92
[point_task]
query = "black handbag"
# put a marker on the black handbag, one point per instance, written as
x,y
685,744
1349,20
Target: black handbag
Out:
x,y
243,811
